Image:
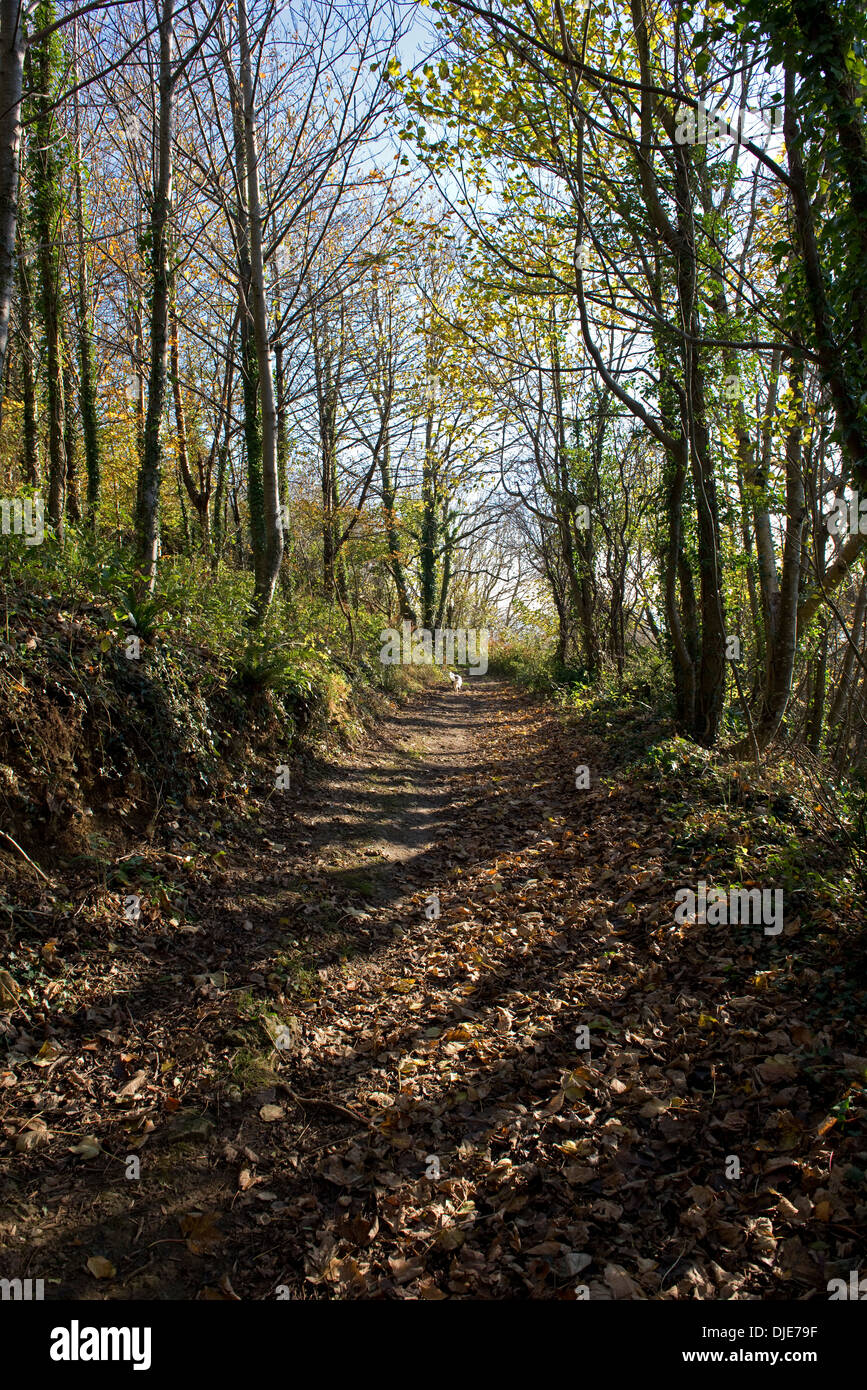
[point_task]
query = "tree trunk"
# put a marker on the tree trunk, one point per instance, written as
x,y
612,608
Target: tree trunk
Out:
x,y
273,551
136,315
446,578
710,686
220,450
249,360
199,495
327,411
30,439
73,499
86,364
782,647
395,558
47,206
676,577
12,50
286,576
429,528
838,703
150,476
816,712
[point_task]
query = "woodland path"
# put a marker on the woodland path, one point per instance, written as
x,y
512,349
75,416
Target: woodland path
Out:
x,y
431,1129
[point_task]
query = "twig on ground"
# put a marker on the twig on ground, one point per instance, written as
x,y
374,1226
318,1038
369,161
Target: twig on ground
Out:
x,y
328,1105
15,844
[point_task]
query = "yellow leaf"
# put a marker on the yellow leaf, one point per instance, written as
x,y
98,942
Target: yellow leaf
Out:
x,y
9,991
47,1053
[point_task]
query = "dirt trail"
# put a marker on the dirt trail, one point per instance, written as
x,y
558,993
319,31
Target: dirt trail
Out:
x,y
432,1123
396,800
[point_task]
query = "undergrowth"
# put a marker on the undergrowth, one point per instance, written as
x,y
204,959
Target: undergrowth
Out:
x,y
116,704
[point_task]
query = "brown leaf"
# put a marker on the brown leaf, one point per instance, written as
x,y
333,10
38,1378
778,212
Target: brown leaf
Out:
x,y
621,1284
201,1231
9,991
271,1113
133,1086
778,1068
89,1147
428,1290
654,1108
36,1133
577,1174
405,1271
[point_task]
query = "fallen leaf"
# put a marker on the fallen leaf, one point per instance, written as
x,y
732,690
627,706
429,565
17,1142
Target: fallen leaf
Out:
x,y
778,1068
9,991
86,1148
35,1134
132,1086
621,1284
654,1108
48,1053
201,1231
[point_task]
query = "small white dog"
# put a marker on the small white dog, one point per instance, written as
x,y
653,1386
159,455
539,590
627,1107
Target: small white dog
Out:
x,y
456,680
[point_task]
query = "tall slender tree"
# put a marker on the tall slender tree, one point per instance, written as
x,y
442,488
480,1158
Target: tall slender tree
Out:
x,y
150,475
48,205
84,311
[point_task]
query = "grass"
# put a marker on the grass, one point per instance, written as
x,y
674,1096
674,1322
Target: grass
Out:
x,y
252,1071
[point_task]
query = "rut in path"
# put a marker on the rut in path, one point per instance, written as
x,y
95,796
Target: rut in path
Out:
x,y
437,1126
